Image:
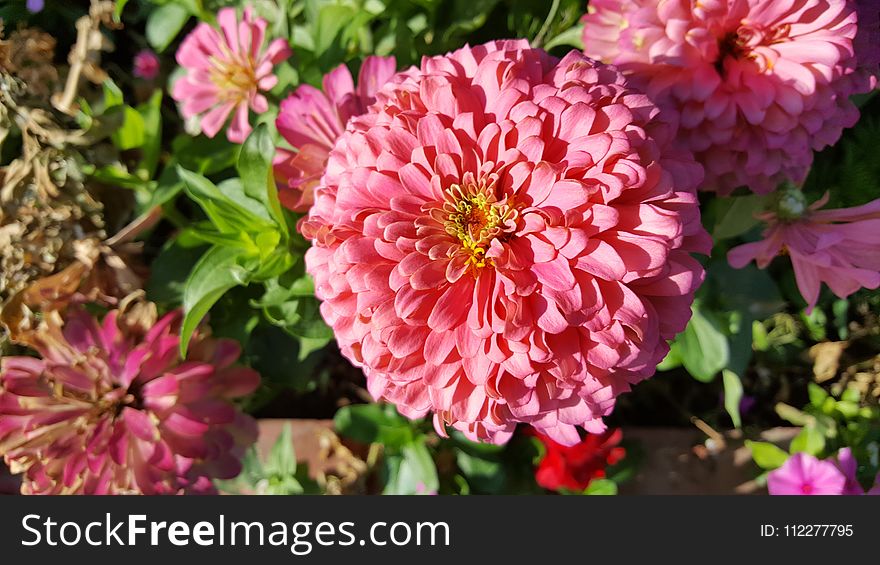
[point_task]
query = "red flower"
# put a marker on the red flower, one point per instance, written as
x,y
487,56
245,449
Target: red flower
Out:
x,y
574,467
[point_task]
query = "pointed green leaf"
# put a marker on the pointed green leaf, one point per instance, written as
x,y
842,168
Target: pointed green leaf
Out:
x,y
282,457
733,393
216,272
255,170
703,347
766,455
164,23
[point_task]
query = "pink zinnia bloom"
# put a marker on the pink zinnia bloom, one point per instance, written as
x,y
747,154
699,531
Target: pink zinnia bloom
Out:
x,y
758,85
311,121
106,411
146,65
505,237
838,247
227,70
804,474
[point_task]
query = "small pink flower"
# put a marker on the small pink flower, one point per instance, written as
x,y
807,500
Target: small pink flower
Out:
x,y
804,474
107,411
757,85
146,65
311,121
227,70
838,247
506,237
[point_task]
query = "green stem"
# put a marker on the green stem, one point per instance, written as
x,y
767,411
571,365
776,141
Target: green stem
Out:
x,y
539,39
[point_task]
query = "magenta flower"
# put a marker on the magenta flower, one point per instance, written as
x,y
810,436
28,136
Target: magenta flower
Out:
x,y
838,247
757,85
505,237
146,65
105,411
35,6
227,70
804,474
311,121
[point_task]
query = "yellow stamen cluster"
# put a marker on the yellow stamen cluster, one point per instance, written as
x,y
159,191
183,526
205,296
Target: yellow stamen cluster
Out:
x,y
475,216
235,75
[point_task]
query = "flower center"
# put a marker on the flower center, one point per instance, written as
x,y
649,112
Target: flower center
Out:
x,y
235,77
806,488
475,216
740,43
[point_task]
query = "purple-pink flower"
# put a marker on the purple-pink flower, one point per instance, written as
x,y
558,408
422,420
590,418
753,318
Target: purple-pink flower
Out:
x,y
840,248
757,85
505,237
804,474
107,409
312,120
227,70
146,65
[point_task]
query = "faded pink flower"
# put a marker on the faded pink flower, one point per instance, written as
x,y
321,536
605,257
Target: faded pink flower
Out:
x,y
504,237
311,121
757,85
146,65
804,474
838,247
227,70
106,411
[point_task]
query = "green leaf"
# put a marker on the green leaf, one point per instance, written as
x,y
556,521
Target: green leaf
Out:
x,y
373,423
809,440
603,487
736,216
282,457
120,5
484,472
255,170
151,115
216,272
766,455
703,346
411,472
816,394
234,190
733,393
228,216
169,185
792,414
164,23
573,37
331,21
168,272
205,155
672,359
131,134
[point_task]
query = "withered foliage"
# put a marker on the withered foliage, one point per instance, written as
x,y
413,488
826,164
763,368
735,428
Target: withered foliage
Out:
x,y
55,231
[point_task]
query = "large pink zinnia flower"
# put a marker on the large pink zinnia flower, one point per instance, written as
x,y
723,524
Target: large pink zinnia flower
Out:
x,y
311,121
227,70
758,85
504,237
838,247
107,412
